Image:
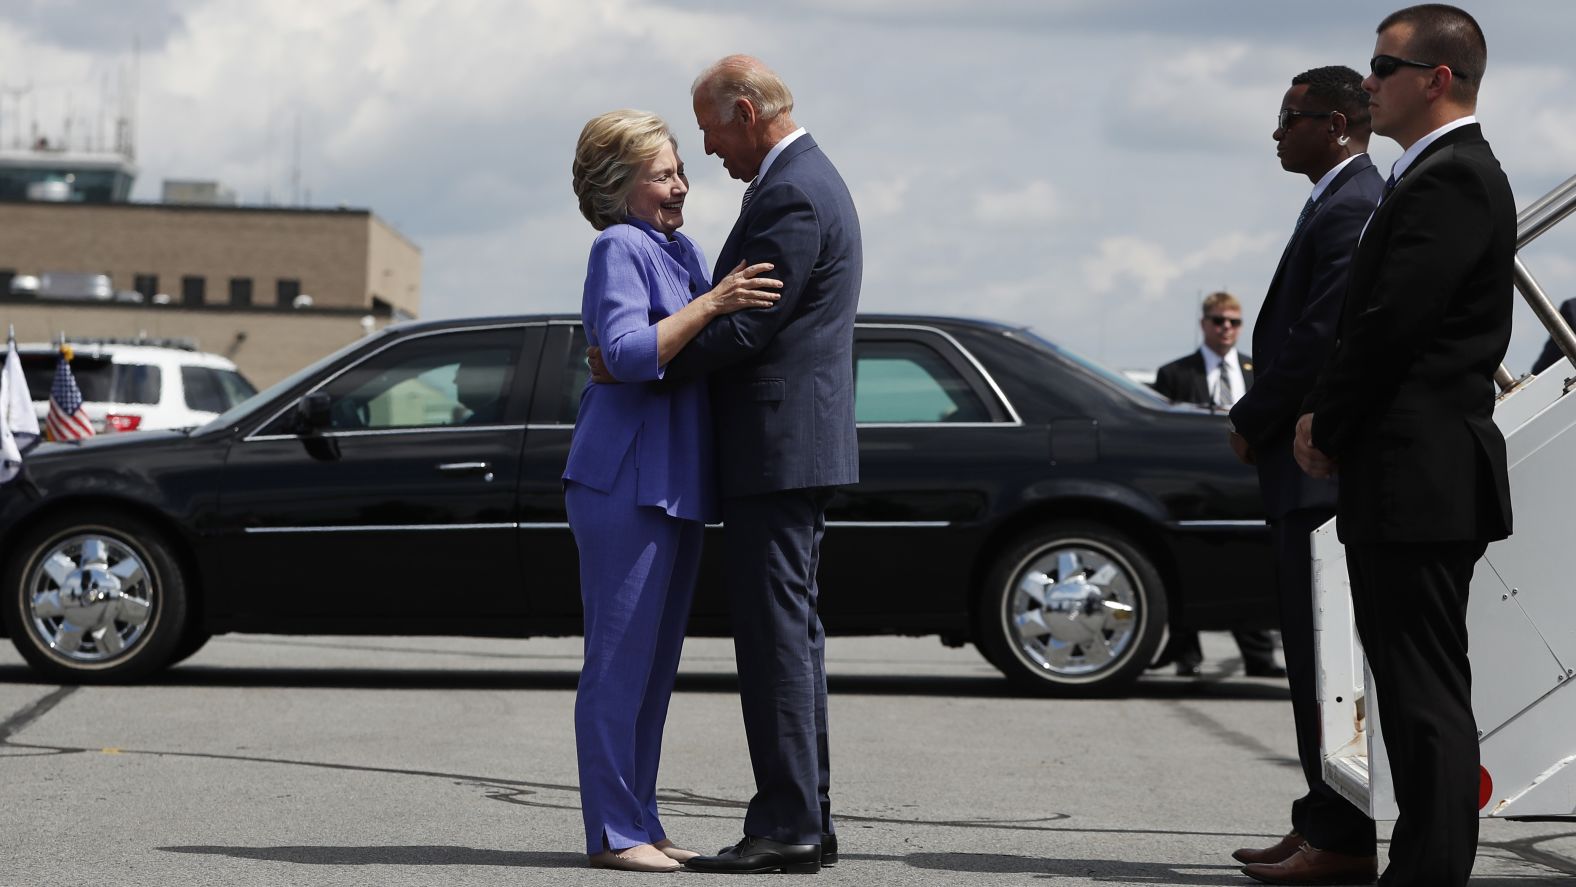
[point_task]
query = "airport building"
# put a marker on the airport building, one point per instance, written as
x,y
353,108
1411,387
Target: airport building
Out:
x,y
272,288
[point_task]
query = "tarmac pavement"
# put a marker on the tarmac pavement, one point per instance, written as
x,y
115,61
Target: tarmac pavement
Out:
x,y
414,761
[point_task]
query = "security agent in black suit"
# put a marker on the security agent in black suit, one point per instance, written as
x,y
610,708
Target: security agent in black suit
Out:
x,y
1322,133
1191,379
1404,413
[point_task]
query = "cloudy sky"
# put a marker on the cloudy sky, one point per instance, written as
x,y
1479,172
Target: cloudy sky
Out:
x,y
1087,167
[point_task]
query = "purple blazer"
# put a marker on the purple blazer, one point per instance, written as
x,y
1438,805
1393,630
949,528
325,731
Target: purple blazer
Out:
x,y
636,277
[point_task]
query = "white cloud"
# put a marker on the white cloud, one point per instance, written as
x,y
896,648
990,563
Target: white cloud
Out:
x,y
885,197
1024,203
1153,268
1088,168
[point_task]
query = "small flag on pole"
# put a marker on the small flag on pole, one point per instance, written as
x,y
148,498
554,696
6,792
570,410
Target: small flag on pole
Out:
x,y
66,420
18,422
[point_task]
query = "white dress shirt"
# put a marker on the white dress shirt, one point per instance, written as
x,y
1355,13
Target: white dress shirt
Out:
x,y
1324,183
1409,157
1214,364
1421,145
776,149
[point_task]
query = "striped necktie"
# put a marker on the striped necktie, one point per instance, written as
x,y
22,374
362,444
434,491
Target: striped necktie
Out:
x,y
749,193
1222,393
1307,210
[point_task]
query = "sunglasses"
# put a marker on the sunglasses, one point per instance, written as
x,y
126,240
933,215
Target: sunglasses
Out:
x,y
1385,65
1288,116
1222,320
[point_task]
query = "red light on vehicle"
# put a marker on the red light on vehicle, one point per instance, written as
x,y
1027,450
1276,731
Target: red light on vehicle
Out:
x,y
1485,787
123,423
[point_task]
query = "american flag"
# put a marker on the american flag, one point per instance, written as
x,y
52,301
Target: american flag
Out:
x,y
66,420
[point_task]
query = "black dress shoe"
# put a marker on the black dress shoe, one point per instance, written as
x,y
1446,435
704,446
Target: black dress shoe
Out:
x,y
1270,670
753,856
1187,670
828,850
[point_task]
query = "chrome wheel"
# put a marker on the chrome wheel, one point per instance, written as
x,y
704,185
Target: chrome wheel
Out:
x,y
1074,609
1071,607
89,598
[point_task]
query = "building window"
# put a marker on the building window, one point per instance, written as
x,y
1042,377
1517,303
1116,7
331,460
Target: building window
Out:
x,y
147,284
287,291
241,292
192,290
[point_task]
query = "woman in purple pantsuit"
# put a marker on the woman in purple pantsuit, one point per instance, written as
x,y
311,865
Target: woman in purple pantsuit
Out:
x,y
639,485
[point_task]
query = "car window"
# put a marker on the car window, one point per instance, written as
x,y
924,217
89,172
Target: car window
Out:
x,y
445,379
134,383
576,374
1115,379
234,385
910,382
93,374
213,390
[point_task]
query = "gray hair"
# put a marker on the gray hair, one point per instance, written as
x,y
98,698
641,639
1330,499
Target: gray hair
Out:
x,y
740,76
611,150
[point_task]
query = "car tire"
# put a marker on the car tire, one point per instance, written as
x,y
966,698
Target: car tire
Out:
x,y
1072,609
94,598
193,641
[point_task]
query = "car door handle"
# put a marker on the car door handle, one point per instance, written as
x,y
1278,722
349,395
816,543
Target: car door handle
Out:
x,y
481,468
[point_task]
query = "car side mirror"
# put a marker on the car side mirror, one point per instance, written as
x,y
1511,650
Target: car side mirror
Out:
x,y
312,413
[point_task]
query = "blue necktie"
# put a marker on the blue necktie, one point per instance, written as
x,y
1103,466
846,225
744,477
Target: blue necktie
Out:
x,y
1389,185
1307,210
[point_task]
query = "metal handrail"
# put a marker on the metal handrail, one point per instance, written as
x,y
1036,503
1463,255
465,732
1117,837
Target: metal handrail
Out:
x,y
1531,223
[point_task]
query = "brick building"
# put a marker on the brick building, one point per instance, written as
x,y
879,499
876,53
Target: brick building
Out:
x,y
229,277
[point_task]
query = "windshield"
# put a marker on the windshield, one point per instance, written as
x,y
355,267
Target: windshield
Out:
x,y
243,409
1099,371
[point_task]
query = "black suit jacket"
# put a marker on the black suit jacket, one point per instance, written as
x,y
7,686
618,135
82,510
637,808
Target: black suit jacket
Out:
x,y
1295,334
1406,403
1185,380
782,378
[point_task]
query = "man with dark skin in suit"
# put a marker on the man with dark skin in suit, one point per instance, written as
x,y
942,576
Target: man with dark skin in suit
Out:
x,y
1403,416
1321,134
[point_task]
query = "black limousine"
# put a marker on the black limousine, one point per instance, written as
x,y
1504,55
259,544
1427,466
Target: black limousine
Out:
x,y
1012,495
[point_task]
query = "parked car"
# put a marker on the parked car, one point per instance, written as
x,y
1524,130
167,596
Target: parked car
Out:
x,y
138,387
1012,494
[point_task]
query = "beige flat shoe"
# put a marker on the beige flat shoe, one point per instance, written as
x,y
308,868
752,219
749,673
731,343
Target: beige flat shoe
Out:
x,y
639,858
677,854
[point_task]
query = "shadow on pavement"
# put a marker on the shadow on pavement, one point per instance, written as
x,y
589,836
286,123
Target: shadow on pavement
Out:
x,y
196,675
413,855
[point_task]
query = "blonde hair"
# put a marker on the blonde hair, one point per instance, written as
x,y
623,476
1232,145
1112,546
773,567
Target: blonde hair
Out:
x,y
611,150
741,76
1218,301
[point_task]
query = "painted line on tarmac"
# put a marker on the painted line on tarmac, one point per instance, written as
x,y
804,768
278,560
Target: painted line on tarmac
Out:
x,y
18,722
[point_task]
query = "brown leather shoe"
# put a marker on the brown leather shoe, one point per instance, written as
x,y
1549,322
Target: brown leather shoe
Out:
x,y
1282,850
1310,865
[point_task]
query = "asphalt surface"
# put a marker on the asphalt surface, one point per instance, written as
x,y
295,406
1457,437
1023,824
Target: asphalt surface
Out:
x,y
395,761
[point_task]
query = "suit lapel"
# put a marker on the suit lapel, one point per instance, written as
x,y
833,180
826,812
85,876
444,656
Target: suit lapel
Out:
x,y
1345,175
726,259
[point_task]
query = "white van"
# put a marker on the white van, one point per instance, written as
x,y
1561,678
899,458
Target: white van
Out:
x,y
138,387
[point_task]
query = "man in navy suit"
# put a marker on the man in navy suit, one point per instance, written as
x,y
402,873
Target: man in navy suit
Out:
x,y
782,382
1322,133
1215,376
1403,414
